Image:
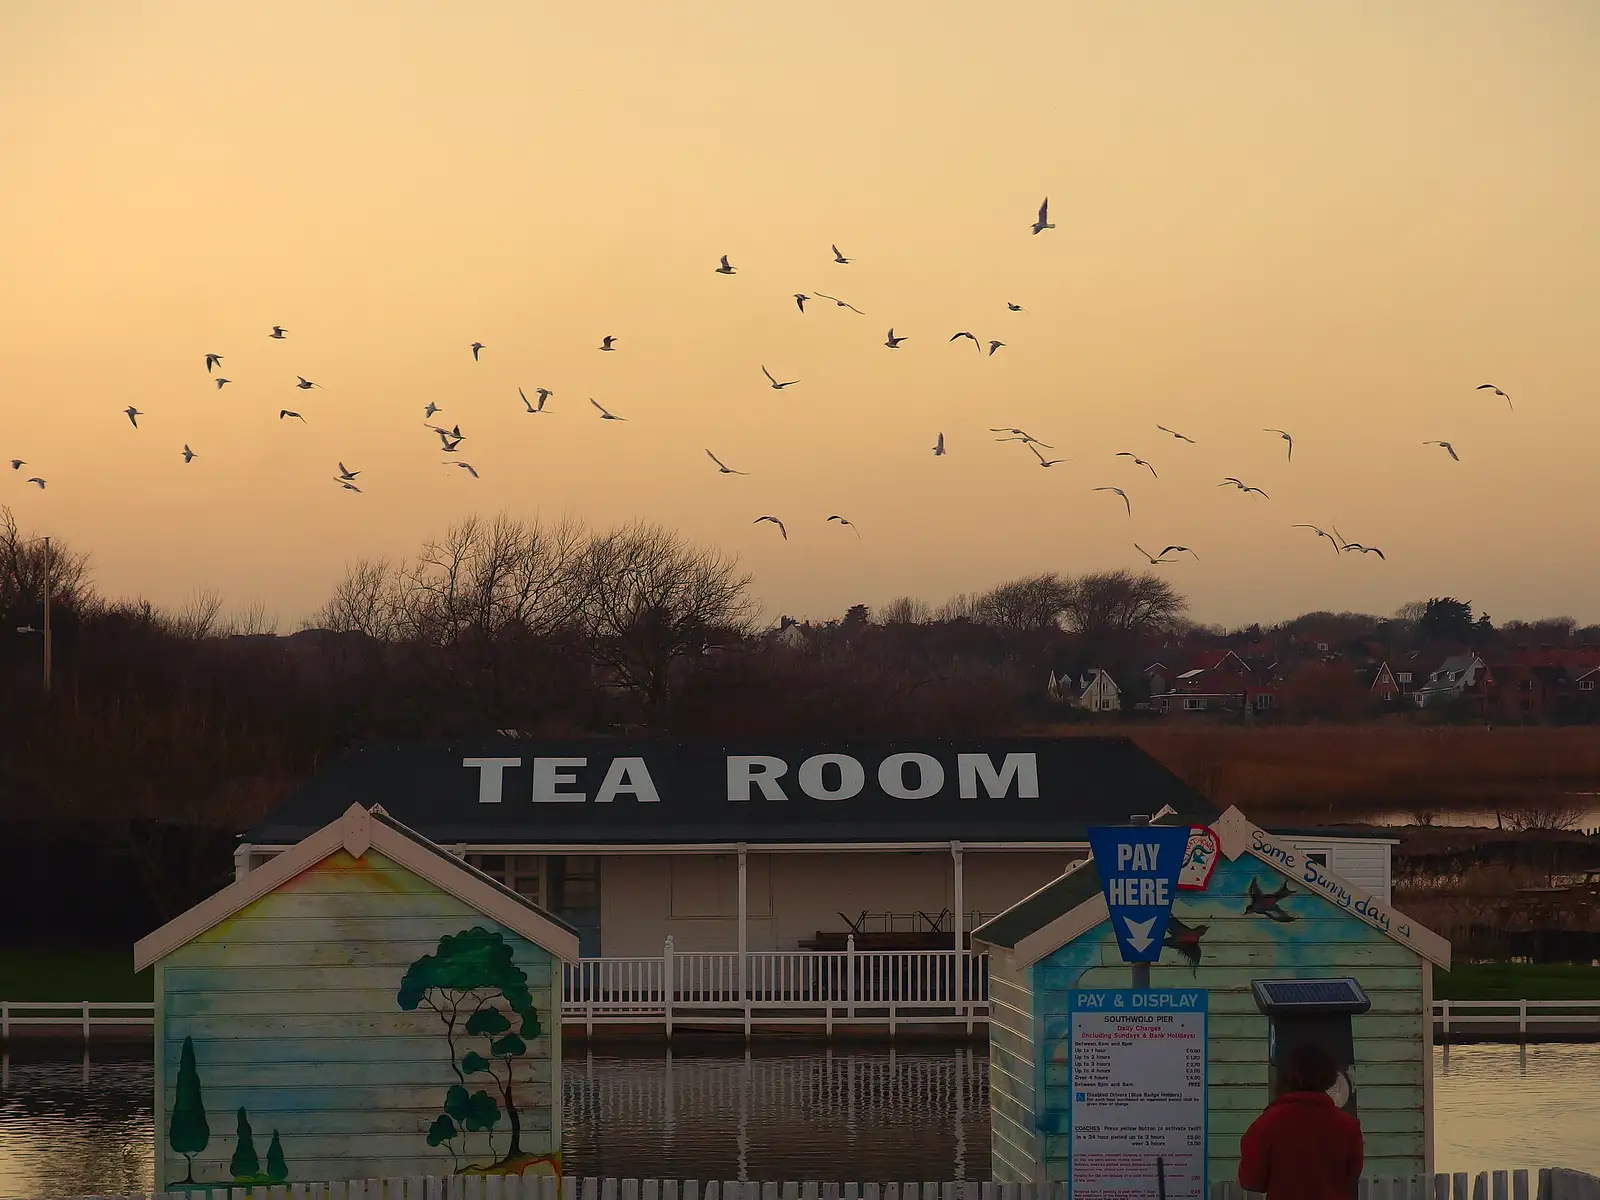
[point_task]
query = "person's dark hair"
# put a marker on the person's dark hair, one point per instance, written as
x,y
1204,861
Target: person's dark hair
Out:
x,y
1307,1067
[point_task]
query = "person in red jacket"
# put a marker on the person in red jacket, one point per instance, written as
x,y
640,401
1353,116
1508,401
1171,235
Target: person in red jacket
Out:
x,y
1303,1147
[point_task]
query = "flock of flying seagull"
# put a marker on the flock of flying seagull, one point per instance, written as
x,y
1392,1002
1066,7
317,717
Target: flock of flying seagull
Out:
x,y
450,439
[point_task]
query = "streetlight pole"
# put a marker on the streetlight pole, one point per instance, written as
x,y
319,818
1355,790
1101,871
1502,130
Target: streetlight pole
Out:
x,y
46,614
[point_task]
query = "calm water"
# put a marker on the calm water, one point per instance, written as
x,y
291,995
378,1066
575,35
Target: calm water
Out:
x,y
75,1128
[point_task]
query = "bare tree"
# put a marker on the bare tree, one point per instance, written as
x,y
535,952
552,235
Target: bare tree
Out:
x,y
1110,604
1031,603
653,605
363,601
197,617
22,562
963,606
905,610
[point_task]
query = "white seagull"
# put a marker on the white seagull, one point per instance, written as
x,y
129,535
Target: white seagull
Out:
x,y
1286,438
305,384
476,346
1348,546
606,343
1491,387
604,415
17,464
1322,533
347,485
839,302
1157,559
1043,222
1240,484
465,466
993,346
542,393
279,332
430,410
1010,307
977,345
938,446
776,522
1448,448
1043,461
800,299
221,382
725,268
776,386
837,257
1021,435
37,480
723,467
1119,492
893,342
211,361
188,454
289,412
1176,434
346,473
1138,462
133,415
843,522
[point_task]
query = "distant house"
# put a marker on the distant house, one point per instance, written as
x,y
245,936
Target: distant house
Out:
x,y
1214,681
791,633
1098,692
1381,684
1459,677
1524,691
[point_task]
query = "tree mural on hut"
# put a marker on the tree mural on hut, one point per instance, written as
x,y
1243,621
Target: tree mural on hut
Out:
x,y
482,998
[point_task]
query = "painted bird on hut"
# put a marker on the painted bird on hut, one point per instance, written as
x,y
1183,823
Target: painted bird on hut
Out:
x,y
1185,939
1267,904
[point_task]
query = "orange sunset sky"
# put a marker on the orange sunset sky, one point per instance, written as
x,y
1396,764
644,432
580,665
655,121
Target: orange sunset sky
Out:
x,y
1337,219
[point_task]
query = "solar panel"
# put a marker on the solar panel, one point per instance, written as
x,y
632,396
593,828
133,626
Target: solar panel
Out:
x,y
1274,996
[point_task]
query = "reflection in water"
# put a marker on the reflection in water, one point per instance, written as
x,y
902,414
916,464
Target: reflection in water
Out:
x,y
1517,1106
76,1127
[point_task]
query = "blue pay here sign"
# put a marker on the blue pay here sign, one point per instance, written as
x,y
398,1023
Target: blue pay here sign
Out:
x,y
1138,867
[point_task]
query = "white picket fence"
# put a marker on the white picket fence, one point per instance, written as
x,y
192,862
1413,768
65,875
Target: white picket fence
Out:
x,y
1552,1184
1526,1015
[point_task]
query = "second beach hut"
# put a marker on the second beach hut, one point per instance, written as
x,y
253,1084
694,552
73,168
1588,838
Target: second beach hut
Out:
x,y
365,1004
1273,948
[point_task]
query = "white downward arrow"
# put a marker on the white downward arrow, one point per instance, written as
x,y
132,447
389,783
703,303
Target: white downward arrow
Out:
x,y
1139,932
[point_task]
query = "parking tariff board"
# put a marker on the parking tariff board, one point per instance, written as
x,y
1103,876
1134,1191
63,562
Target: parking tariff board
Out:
x,y
1138,1093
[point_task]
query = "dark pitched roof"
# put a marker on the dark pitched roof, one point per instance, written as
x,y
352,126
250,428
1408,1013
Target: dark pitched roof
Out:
x,y
432,788
1055,899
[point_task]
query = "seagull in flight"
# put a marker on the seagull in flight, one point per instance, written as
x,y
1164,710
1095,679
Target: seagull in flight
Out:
x,y
221,382
1010,307
993,346
1448,448
843,522
1043,222
1322,533
1021,435
776,522
211,361
1043,461
305,384
1491,387
133,415
188,454
726,268
1348,546
1158,559
465,466
17,464
346,473
476,346
451,445
776,386
837,257
279,332
1176,434
604,415
938,447
1138,462
839,302
893,342
348,486
35,479
606,343
723,467
289,412
430,410
800,299
1118,491
1240,484
1286,438
543,394
976,344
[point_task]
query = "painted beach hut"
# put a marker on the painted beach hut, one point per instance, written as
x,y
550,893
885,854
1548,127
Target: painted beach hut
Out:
x,y
365,1004
1273,947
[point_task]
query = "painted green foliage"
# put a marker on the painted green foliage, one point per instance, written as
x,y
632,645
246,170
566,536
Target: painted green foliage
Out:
x,y
465,982
188,1134
244,1164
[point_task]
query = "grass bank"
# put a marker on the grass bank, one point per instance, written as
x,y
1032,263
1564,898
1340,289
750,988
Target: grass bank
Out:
x,y
1517,981
68,975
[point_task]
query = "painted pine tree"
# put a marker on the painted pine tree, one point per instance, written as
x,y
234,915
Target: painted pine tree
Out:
x,y
277,1166
188,1133
246,1164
